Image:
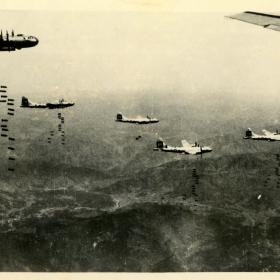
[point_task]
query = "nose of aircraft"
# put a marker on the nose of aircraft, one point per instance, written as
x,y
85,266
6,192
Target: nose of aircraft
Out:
x,y
33,40
36,41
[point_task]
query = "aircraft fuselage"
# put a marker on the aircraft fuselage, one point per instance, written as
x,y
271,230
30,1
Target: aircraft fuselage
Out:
x,y
144,121
182,150
261,138
16,42
267,136
25,103
59,105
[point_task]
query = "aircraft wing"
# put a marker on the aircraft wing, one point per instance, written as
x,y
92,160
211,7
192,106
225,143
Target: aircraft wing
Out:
x,y
186,144
192,152
269,21
267,133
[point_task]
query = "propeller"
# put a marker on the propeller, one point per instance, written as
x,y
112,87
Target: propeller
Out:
x,y
13,34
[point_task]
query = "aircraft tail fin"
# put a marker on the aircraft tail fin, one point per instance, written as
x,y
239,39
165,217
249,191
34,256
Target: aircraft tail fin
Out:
x,y
160,144
25,102
119,116
249,133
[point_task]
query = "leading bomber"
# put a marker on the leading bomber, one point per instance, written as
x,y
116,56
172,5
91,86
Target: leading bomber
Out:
x,y
12,42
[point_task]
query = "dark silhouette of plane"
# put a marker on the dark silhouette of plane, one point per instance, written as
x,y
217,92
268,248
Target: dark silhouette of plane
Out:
x,y
186,148
59,104
267,136
12,42
25,103
138,120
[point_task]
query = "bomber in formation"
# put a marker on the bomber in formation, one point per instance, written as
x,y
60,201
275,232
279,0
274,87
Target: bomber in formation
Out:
x,y
137,120
266,136
60,104
12,42
186,148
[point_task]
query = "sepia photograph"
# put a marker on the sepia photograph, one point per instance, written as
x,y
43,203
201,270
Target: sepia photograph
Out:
x,y
139,136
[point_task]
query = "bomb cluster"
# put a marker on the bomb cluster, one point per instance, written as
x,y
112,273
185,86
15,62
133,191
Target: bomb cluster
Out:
x,y
195,178
5,133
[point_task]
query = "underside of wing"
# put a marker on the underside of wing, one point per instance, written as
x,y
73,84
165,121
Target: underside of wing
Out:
x,y
269,21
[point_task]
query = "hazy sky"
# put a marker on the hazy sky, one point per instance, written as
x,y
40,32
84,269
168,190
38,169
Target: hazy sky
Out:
x,y
139,51
144,5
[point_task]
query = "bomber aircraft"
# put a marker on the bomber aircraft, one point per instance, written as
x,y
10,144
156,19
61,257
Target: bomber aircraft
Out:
x,y
12,42
269,21
138,120
186,148
267,136
25,103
